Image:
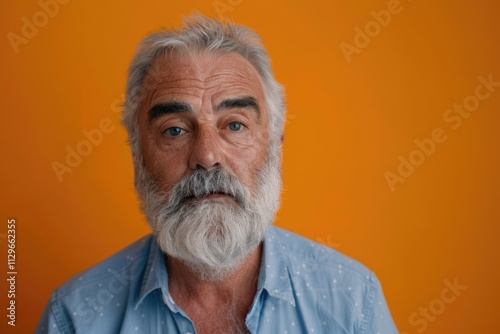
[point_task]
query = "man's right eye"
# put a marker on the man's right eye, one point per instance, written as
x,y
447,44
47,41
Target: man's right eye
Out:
x,y
174,131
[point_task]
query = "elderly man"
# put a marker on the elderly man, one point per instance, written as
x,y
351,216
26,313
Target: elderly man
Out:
x,y
205,119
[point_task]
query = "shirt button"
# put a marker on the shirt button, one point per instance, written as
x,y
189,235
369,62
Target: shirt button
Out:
x,y
188,333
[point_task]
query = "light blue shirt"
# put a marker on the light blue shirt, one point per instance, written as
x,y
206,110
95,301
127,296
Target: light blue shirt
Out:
x,y
303,287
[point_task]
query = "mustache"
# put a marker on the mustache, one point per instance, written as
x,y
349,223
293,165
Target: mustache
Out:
x,y
202,183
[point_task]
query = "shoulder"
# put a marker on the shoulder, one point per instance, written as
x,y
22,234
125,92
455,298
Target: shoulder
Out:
x,y
116,268
305,253
98,297
329,281
329,287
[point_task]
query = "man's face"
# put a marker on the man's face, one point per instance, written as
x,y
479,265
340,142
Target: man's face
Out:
x,y
203,112
209,181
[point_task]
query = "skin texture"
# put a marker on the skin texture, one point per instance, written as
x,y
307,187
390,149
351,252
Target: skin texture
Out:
x,y
203,81
175,144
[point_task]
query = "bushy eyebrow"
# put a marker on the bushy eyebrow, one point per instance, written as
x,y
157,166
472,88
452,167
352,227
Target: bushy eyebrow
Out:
x,y
246,102
167,108
162,109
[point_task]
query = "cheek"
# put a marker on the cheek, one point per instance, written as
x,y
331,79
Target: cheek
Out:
x,y
254,158
167,166
246,163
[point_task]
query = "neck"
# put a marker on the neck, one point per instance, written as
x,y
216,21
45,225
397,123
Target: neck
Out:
x,y
202,298
186,283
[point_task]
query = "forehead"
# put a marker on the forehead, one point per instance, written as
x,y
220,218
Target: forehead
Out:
x,y
196,73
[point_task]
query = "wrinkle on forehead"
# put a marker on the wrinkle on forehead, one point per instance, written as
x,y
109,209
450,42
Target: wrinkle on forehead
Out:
x,y
203,71
202,81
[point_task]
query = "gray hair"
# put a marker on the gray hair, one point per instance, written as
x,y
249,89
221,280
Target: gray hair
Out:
x,y
201,34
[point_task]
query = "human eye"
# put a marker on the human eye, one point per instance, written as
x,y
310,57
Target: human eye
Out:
x,y
174,131
235,126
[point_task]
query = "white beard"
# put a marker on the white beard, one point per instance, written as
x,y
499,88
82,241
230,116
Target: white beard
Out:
x,y
212,237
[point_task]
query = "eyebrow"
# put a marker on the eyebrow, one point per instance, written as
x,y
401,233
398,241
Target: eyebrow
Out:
x,y
167,108
163,109
239,103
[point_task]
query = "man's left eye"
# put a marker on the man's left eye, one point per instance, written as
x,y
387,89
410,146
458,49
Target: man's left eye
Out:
x,y
235,126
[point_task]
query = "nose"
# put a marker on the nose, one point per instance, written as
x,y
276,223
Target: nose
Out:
x,y
206,151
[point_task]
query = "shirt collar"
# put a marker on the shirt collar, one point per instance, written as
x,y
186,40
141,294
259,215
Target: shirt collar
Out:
x,y
274,276
155,275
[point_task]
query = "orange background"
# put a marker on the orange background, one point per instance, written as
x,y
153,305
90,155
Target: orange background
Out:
x,y
347,125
